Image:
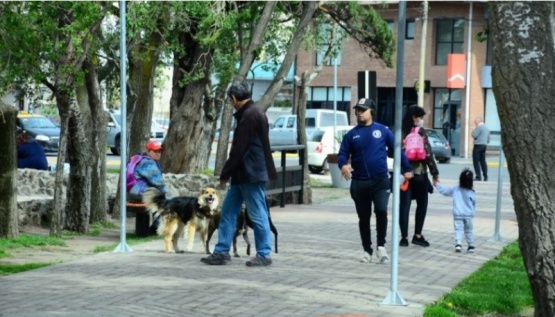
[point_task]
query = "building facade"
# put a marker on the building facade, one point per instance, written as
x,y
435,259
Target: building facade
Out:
x,y
452,28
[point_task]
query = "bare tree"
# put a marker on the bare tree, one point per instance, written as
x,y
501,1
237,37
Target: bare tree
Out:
x,y
523,68
8,172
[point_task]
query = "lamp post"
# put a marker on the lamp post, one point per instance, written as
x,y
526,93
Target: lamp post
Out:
x,y
422,54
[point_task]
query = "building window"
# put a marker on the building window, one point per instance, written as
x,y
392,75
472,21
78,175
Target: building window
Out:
x,y
390,24
323,98
409,30
320,56
449,39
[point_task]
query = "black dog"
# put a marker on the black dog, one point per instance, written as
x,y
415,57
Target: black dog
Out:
x,y
241,228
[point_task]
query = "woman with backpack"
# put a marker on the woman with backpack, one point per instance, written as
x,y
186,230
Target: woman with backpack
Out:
x,y
144,171
421,158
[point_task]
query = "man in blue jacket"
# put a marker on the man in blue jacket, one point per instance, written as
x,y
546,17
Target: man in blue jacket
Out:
x,y
249,166
363,158
30,154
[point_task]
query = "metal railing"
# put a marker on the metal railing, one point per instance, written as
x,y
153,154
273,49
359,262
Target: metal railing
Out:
x,y
290,178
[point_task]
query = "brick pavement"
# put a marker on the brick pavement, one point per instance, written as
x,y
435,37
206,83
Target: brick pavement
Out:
x,y
316,273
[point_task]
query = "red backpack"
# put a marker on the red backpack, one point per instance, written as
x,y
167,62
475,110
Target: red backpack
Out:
x,y
415,149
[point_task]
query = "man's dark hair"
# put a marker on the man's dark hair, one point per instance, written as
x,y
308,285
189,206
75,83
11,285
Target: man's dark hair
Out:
x,y
239,91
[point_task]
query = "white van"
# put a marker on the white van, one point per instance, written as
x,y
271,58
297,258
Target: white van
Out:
x,y
284,130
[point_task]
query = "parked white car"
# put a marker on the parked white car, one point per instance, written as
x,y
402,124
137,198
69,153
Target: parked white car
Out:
x,y
284,130
320,143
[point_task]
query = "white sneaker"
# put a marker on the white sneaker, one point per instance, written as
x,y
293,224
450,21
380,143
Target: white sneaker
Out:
x,y
382,255
366,257
458,248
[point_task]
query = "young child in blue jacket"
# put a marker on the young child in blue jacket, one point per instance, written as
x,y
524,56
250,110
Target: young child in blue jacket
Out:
x,y
464,207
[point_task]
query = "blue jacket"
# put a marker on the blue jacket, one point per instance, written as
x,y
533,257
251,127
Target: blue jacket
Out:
x,y
31,155
250,158
148,173
366,147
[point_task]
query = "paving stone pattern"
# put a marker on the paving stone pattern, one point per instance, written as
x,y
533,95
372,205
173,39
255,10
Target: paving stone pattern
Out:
x,y
316,273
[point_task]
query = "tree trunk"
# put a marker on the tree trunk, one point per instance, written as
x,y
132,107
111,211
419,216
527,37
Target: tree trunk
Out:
x,y
523,66
192,118
225,125
247,58
97,136
56,225
9,219
309,9
78,204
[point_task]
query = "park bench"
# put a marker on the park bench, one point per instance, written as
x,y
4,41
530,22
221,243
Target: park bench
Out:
x,y
142,218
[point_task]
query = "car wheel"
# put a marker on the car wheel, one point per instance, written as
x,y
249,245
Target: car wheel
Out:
x,y
116,150
315,169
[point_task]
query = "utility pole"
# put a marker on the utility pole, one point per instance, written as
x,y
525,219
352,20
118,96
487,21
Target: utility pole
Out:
x,y
422,54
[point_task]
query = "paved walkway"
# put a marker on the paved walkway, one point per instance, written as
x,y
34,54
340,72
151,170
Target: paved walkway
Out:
x,y
316,272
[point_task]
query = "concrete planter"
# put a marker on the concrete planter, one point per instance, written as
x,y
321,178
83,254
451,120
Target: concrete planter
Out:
x,y
337,179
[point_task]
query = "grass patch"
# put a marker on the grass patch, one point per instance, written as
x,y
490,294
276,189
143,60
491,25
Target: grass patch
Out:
x,y
6,269
95,229
130,239
27,241
112,170
500,287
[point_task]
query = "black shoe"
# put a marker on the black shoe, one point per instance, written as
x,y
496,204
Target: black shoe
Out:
x,y
258,261
404,242
485,178
477,179
420,241
458,248
216,259
470,249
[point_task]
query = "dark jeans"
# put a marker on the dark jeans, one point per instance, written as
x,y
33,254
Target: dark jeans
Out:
x,y
479,160
418,190
364,193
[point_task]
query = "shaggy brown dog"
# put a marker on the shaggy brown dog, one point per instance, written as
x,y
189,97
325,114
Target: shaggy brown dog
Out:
x,y
175,213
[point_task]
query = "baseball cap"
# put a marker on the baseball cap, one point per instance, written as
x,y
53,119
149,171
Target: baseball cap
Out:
x,y
365,103
153,146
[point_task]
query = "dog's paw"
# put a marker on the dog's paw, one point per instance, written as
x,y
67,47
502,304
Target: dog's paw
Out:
x,y
236,255
170,251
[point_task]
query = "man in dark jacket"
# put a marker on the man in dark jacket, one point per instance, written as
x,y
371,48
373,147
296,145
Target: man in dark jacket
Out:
x,y
249,166
30,154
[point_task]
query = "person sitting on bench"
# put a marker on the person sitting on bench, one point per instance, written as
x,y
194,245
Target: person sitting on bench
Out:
x,y
144,171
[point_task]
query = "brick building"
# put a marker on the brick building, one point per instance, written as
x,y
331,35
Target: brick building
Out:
x,y
452,28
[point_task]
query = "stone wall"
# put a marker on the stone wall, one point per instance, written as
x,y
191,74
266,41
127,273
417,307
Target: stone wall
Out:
x,y
35,191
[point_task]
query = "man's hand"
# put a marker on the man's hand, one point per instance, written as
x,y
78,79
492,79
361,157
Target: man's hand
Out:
x,y
223,182
346,171
407,175
435,181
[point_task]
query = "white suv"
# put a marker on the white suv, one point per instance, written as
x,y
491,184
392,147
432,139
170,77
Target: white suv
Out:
x,y
113,135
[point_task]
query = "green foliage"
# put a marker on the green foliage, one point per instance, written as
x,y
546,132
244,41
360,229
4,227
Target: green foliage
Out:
x,y
500,286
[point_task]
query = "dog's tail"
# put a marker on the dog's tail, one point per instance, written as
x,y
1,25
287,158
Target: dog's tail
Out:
x,y
154,200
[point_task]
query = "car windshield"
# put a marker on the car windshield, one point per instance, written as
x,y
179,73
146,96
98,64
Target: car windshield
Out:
x,y
118,118
37,123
